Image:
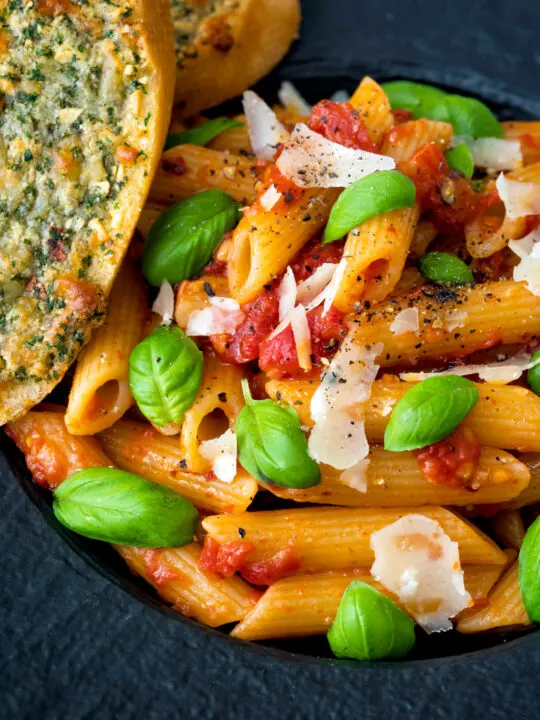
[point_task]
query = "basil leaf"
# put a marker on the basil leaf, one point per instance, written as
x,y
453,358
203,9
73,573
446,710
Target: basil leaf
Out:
x,y
429,412
445,268
369,626
271,444
165,372
533,375
181,241
372,195
467,115
202,134
419,99
461,160
123,508
529,571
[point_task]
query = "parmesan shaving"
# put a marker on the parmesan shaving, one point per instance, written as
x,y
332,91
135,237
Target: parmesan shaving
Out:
x,y
291,99
313,286
310,160
221,452
338,437
302,336
333,285
164,303
405,321
417,561
493,153
340,96
269,198
497,373
223,316
519,198
528,268
356,476
265,130
287,294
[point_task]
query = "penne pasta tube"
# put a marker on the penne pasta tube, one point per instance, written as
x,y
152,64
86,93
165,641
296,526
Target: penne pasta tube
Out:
x,y
452,322
149,215
215,409
375,255
100,392
140,449
51,453
491,230
188,169
504,608
424,234
235,140
373,107
307,604
192,295
175,574
404,140
531,494
506,416
508,528
528,133
264,242
326,538
395,480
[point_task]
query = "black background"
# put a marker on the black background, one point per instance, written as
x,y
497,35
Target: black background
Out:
x,y
74,646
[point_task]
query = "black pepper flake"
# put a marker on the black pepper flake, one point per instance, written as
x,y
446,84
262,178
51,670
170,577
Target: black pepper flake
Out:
x,y
306,218
209,290
182,464
242,532
222,396
278,396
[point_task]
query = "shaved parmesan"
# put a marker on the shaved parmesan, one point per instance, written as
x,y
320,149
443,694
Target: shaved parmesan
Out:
x,y
497,373
528,269
338,437
405,321
519,198
417,561
312,287
269,198
302,336
356,476
291,99
221,452
456,318
223,316
265,130
340,96
333,285
164,303
310,160
287,294
493,153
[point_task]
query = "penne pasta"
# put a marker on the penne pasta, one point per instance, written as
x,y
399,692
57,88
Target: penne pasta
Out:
x,y
149,215
215,409
176,576
395,480
504,608
338,538
505,416
100,393
188,169
531,494
139,448
508,528
528,133
404,140
424,234
307,604
452,322
373,107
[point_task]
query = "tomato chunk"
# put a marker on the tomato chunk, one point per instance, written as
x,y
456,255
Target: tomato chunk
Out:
x,y
223,559
341,123
267,572
313,255
451,462
290,192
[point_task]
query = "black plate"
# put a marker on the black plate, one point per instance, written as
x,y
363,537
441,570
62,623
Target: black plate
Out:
x,y
430,650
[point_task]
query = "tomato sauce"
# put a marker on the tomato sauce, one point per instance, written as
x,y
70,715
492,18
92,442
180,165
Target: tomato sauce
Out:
x,y
451,462
290,192
341,123
448,199
313,255
267,572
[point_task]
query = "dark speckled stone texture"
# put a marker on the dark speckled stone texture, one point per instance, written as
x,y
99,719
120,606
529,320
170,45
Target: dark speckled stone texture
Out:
x,y
73,646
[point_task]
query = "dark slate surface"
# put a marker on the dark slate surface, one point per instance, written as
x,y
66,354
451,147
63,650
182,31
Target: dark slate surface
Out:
x,y
74,646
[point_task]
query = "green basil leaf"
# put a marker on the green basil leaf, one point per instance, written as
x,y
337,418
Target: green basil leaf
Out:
x,y
445,268
529,571
271,444
370,626
461,160
467,115
165,372
125,509
533,375
181,241
419,99
202,134
372,195
429,412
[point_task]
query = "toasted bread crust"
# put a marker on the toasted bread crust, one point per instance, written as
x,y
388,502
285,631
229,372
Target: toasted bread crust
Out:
x,y
67,243
229,49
